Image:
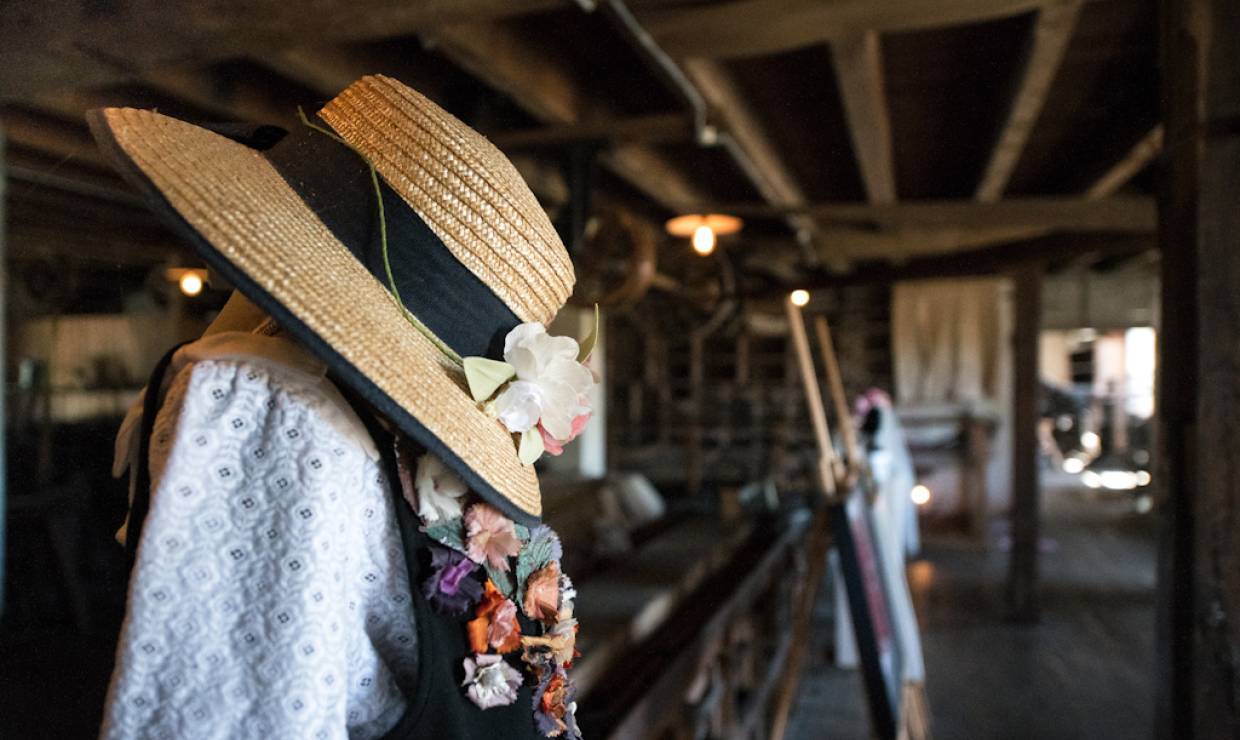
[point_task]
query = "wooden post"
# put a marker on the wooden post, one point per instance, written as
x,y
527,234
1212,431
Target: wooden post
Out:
x,y
4,302
1198,476
852,447
693,440
813,398
819,537
1023,570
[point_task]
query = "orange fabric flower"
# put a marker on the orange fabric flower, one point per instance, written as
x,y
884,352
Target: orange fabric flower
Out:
x,y
495,627
542,594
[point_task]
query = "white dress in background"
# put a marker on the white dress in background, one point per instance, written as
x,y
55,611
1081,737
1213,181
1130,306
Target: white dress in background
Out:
x,y
270,597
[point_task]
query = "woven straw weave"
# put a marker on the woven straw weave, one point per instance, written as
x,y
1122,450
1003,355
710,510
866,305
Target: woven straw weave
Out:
x,y
464,188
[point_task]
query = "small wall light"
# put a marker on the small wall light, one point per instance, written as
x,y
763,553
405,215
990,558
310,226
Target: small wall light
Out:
x,y
799,297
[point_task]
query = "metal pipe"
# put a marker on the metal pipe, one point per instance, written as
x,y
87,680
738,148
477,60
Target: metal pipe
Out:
x,y
703,133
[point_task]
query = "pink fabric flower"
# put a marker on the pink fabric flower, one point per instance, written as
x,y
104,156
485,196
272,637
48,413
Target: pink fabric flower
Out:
x,y
490,536
542,594
503,627
553,446
491,682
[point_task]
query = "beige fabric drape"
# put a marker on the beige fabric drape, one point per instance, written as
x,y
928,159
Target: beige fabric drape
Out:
x,y
951,347
948,340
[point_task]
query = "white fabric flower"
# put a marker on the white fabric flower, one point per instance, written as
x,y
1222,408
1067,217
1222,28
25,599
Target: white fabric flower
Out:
x,y
491,682
550,385
439,490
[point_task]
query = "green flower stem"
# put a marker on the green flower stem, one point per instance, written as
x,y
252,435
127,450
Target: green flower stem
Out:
x,y
383,241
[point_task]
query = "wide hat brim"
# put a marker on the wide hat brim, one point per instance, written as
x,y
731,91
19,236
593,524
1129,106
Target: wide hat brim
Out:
x,y
246,222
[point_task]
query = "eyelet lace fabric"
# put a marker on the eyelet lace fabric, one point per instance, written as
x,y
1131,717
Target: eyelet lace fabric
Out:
x,y
270,597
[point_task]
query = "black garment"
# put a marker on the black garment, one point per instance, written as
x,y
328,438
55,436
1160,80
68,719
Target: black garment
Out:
x,y
438,707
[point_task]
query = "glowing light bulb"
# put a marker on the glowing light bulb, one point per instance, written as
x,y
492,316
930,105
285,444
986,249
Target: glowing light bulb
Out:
x,y
191,284
920,495
703,240
799,297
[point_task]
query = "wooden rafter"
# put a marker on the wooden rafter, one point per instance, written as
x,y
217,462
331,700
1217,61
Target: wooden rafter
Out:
x,y
901,244
752,27
1126,168
1059,213
769,173
994,258
508,62
237,100
656,128
66,43
859,70
53,138
1048,43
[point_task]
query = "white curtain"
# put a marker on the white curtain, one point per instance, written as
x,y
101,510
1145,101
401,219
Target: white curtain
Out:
x,y
951,344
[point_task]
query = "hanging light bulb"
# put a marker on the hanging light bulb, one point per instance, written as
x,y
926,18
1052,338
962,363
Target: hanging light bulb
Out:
x,y
799,297
703,231
703,240
191,283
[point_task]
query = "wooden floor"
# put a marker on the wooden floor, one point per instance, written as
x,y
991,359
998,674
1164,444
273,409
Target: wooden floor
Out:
x,y
1083,672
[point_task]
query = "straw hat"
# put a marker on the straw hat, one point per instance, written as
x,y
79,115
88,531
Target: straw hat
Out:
x,y
297,229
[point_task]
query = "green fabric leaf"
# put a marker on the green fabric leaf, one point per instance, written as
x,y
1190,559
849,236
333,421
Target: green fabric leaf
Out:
x,y
523,532
501,579
587,344
531,446
543,547
449,533
485,376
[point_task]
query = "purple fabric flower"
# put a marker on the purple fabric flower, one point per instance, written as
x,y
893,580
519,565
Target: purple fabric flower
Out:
x,y
451,587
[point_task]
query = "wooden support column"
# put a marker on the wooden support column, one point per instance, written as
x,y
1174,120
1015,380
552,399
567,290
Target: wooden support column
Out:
x,y
1023,566
4,304
1198,475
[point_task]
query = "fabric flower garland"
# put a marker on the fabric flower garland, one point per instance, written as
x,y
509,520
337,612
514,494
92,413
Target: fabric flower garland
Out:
x,y
487,566
539,390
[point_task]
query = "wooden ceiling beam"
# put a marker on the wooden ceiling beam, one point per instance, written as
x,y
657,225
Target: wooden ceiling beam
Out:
x,y
657,128
504,60
995,258
54,138
326,70
67,43
1118,175
754,27
859,71
232,99
1060,213
1048,42
766,167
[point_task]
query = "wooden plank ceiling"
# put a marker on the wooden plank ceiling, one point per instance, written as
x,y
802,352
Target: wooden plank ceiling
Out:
x,y
844,131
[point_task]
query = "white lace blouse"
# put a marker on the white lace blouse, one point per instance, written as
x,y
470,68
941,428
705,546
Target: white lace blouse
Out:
x,y
270,597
